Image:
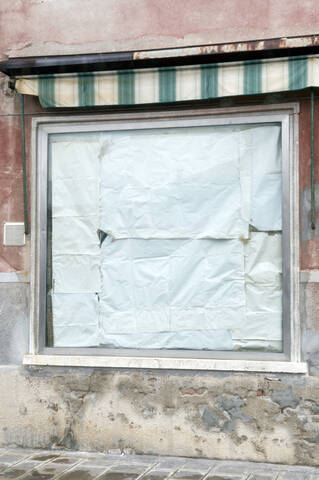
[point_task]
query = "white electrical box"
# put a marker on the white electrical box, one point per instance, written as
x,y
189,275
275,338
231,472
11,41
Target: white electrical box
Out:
x,y
13,234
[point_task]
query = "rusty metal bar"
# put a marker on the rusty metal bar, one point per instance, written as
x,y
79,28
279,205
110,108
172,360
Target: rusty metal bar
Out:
x,y
187,55
232,47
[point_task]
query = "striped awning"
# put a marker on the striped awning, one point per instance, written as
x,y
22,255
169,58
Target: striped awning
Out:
x,y
172,84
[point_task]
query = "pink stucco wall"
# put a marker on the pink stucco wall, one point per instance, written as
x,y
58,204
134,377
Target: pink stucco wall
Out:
x,y
48,27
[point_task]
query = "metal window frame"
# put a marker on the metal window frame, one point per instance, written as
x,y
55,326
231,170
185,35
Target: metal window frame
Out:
x,y
287,361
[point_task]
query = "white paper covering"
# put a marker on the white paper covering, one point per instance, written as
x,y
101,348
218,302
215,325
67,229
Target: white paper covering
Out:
x,y
169,287
75,197
172,184
75,234
75,319
80,335
75,156
76,273
179,267
187,339
261,172
75,214
263,291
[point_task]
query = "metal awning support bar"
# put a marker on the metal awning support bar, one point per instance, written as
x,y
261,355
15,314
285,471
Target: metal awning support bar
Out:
x,y
24,169
187,55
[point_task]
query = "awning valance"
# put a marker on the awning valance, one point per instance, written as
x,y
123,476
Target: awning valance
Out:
x,y
172,84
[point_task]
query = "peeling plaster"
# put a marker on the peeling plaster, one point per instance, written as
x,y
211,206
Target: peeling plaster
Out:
x,y
144,412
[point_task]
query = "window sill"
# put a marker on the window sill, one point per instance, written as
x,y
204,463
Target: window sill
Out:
x,y
167,363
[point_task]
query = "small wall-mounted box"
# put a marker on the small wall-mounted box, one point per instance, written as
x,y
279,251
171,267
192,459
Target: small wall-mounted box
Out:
x,y
13,234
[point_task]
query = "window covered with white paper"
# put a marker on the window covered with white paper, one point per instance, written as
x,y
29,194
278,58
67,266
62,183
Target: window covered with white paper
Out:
x,y
166,239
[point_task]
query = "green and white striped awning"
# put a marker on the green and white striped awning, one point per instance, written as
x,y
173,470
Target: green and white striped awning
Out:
x,y
173,84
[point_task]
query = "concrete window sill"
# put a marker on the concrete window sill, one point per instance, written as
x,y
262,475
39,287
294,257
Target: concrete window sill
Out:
x,y
167,363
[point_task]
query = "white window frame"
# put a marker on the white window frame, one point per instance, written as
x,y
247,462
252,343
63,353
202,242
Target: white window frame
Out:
x,y
289,361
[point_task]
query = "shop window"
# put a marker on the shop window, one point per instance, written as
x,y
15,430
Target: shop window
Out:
x,y
166,235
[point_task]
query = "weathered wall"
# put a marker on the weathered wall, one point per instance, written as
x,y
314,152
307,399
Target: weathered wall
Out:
x,y
258,417
47,27
271,418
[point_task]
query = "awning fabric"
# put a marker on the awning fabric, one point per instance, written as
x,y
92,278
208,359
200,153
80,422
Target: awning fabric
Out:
x,y
173,84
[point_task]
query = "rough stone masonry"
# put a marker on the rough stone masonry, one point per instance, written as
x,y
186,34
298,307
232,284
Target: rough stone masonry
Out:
x,y
272,418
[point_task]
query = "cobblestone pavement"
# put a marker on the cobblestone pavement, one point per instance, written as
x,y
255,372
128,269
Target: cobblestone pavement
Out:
x,y
62,465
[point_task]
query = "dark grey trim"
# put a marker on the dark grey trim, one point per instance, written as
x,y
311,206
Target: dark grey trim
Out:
x,y
128,352
188,55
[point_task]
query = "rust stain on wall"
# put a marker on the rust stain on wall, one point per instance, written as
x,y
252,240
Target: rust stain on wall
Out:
x,y
233,47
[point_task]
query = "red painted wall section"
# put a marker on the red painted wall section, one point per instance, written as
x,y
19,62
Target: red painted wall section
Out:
x,y
309,251
11,186
48,27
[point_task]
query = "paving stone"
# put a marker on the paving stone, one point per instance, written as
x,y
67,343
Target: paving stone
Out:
x,y
199,465
119,476
261,476
188,475
35,475
43,457
12,471
3,466
219,476
141,459
229,469
171,463
138,469
8,459
46,465
65,460
157,474
82,473
52,469
293,475
98,462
